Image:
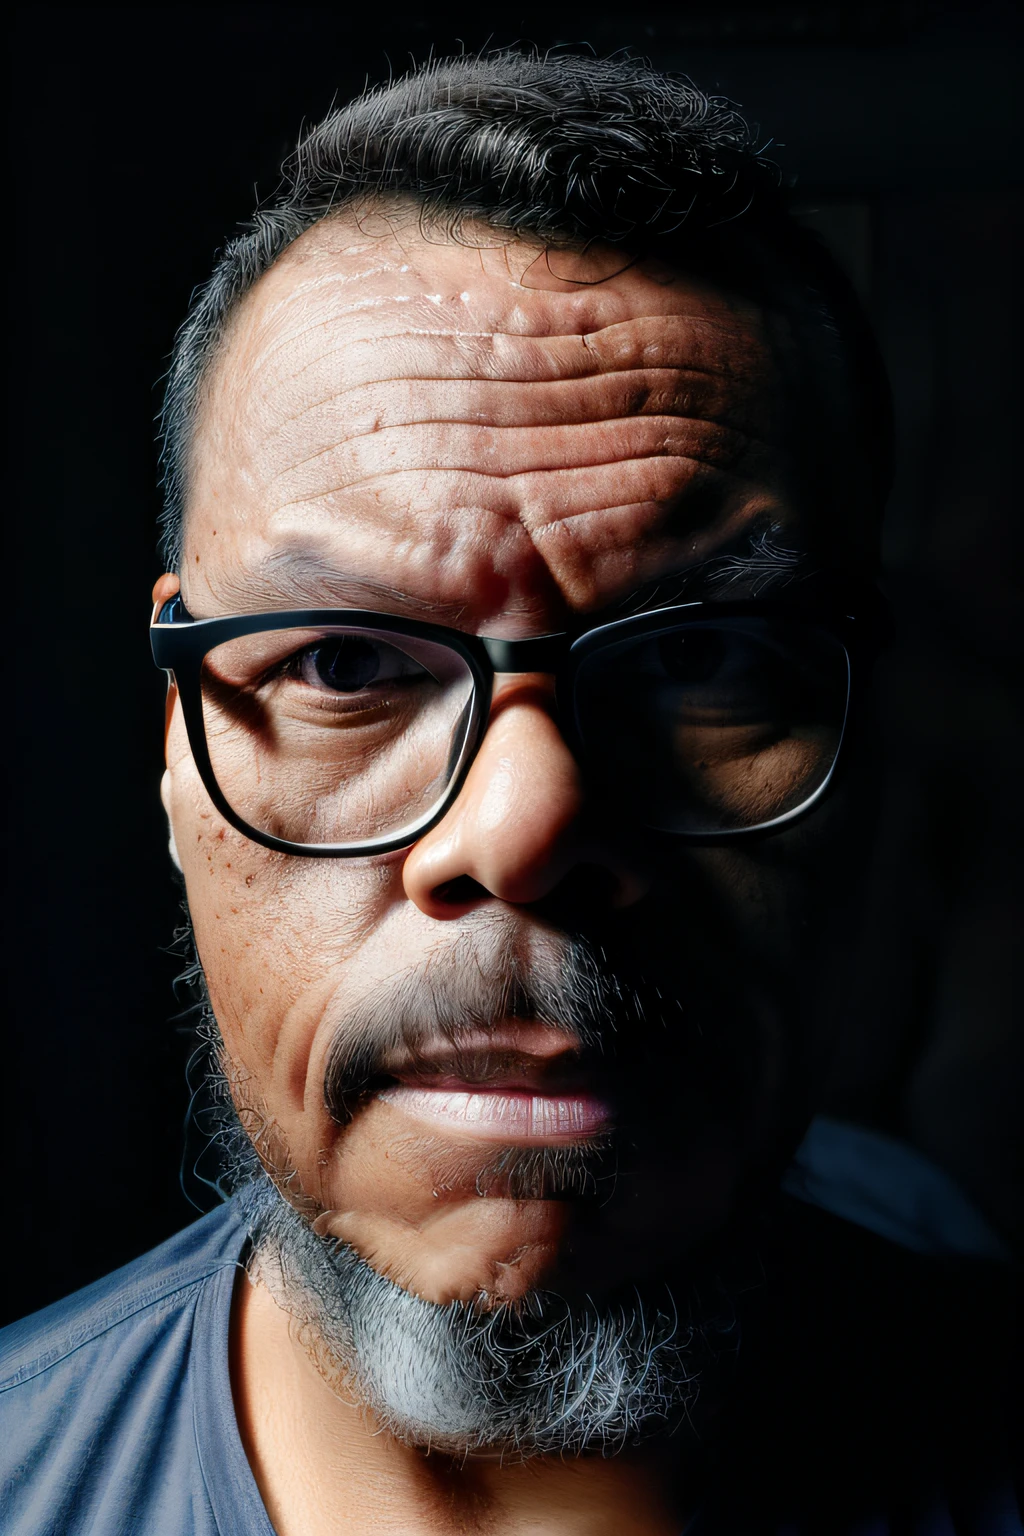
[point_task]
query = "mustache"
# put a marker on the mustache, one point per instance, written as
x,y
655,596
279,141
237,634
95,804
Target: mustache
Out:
x,y
489,977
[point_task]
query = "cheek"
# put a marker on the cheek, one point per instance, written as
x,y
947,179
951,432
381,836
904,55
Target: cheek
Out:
x,y
761,897
279,939
225,873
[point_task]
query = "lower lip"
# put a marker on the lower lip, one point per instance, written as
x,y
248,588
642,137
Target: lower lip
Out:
x,y
517,1116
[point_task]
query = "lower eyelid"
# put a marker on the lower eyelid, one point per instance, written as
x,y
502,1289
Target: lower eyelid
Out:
x,y
370,697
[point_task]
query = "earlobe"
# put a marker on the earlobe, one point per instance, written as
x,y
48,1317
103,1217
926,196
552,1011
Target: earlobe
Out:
x,y
165,782
169,703
165,797
172,849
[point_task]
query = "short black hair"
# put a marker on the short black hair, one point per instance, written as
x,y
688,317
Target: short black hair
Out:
x,y
566,149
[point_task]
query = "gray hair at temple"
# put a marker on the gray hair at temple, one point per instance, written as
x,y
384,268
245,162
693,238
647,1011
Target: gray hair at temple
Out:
x,y
567,150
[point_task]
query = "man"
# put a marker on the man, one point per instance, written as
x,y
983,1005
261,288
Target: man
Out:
x,y
524,470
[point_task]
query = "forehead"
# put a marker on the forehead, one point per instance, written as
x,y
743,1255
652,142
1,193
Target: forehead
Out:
x,y
491,434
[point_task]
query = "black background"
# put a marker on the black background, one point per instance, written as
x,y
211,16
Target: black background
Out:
x,y
138,138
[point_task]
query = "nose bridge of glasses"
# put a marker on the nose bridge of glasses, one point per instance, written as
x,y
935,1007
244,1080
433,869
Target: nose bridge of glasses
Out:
x,y
526,661
540,653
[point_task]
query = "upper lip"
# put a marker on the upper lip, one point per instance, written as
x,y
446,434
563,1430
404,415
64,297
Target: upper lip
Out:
x,y
528,1056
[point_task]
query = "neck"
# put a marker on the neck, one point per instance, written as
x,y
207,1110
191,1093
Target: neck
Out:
x,y
324,1467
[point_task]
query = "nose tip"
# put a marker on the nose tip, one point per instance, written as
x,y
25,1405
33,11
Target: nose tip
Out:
x,y
518,831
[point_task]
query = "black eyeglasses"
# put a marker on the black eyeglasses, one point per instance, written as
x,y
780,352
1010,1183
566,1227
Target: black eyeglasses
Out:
x,y
340,732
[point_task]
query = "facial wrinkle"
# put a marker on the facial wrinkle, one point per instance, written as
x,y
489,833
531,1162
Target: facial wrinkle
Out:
x,y
505,452
663,341
399,402
678,513
473,457
306,575
416,482
637,415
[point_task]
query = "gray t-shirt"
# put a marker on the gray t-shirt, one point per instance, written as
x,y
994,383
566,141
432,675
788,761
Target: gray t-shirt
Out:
x,y
115,1404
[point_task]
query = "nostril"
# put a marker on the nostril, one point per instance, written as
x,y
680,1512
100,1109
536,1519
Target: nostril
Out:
x,y
461,892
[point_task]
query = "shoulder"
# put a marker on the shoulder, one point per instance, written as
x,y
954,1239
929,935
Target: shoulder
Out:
x,y
99,1392
119,1302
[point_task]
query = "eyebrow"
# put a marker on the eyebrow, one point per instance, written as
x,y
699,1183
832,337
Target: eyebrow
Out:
x,y
758,566
301,575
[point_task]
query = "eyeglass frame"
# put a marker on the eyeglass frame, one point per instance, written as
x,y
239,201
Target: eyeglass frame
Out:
x,y
180,643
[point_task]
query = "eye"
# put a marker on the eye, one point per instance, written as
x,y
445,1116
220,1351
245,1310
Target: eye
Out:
x,y
718,668
351,663
696,656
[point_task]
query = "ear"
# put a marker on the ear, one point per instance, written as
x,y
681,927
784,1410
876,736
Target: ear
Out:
x,y
165,796
165,782
165,588
169,703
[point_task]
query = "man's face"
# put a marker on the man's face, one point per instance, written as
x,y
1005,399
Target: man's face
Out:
x,y
590,1037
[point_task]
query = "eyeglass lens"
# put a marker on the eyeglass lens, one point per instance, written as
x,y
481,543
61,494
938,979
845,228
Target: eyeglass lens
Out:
x,y
335,735
715,727
339,735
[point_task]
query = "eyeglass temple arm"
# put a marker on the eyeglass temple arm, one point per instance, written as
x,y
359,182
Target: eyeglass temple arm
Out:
x,y
171,611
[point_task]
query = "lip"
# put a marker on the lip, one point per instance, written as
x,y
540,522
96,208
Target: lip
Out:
x,y
521,1083
512,1116
531,1041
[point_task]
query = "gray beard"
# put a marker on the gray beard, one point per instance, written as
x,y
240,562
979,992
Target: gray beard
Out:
x,y
542,1377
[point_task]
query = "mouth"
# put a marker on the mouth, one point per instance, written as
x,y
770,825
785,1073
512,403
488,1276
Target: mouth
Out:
x,y
522,1084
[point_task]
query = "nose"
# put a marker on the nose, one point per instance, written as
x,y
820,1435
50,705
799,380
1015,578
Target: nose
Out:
x,y
519,829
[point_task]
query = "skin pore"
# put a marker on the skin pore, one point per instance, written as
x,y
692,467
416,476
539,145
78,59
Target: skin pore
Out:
x,y
499,441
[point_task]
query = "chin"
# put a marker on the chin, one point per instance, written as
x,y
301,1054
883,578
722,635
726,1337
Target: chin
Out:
x,y
544,1374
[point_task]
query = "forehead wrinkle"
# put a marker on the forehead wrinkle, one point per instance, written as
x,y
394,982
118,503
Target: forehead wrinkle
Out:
x,y
513,479
592,348
544,350
337,397
595,374
567,450
680,395
607,403
666,422
594,340
586,358
311,271
575,389
493,354
349,348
